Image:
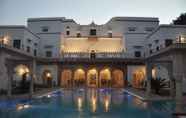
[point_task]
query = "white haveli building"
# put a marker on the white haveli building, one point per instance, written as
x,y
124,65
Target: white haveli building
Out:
x,y
125,51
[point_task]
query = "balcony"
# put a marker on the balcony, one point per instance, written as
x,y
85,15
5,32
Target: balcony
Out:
x,y
106,55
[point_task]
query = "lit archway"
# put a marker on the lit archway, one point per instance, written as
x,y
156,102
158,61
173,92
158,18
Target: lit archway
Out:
x,y
66,78
47,78
92,78
138,79
21,76
118,78
79,78
105,78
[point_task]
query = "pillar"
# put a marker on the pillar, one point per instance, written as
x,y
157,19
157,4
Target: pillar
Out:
x,y
72,79
10,77
149,77
172,87
178,73
33,76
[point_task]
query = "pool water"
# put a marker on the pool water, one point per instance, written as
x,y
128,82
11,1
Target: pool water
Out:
x,y
91,103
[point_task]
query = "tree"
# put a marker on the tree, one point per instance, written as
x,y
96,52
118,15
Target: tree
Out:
x,y
181,20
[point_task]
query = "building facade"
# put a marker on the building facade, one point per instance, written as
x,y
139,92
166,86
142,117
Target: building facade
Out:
x,y
69,55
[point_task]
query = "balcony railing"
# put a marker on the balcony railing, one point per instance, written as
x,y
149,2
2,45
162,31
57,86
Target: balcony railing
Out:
x,y
98,55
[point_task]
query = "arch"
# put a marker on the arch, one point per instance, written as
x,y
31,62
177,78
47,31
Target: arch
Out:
x,y
47,78
21,69
118,78
92,78
105,78
138,78
21,76
79,78
66,78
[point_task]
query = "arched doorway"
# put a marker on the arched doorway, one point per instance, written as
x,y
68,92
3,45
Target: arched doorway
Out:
x,y
21,78
138,79
118,78
105,78
47,78
79,78
66,78
92,78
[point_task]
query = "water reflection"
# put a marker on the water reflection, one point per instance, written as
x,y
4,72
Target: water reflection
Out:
x,y
95,100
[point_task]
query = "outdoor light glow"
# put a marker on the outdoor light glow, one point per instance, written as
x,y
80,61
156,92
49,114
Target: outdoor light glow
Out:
x,y
153,73
26,106
48,74
48,96
5,40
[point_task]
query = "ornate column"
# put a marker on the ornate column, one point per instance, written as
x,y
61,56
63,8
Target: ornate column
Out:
x,y
149,77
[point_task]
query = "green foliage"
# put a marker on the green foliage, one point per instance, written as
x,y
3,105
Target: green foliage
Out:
x,y
181,20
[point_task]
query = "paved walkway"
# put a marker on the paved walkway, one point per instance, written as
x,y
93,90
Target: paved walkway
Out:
x,y
27,96
141,95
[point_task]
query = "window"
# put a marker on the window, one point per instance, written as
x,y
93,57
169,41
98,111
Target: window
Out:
x,y
68,32
44,29
48,54
131,29
156,41
17,43
157,48
78,34
110,34
35,44
150,51
149,29
28,49
93,32
168,42
29,40
150,45
138,47
137,54
48,46
92,54
35,52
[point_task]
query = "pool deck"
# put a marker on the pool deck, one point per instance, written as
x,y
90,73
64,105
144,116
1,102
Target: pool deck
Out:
x,y
141,95
27,96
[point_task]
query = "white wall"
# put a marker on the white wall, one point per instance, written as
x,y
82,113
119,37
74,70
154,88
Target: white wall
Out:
x,y
161,34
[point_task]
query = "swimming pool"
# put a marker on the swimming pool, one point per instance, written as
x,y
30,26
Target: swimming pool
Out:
x,y
90,103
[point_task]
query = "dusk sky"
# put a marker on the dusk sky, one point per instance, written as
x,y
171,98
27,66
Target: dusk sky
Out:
x,y
16,12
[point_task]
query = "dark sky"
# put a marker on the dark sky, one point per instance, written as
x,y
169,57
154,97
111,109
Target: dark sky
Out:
x,y
16,12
